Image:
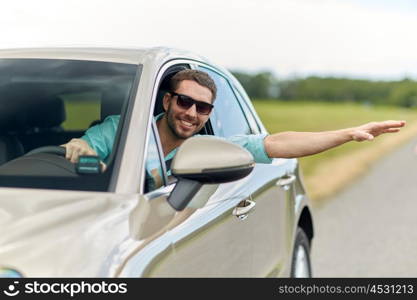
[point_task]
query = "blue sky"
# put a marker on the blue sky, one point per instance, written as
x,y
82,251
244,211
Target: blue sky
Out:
x,y
354,38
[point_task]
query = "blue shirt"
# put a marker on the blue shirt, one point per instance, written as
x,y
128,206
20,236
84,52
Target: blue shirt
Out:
x,y
102,136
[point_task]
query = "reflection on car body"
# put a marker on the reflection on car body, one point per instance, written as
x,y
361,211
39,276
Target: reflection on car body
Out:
x,y
246,220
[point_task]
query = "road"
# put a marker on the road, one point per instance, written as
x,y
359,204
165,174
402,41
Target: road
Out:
x,y
370,228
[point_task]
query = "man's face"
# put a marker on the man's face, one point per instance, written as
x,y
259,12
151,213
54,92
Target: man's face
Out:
x,y
183,122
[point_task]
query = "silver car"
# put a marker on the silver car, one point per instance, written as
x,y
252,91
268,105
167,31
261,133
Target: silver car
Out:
x,y
219,215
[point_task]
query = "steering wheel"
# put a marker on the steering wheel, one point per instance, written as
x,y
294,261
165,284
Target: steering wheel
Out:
x,y
57,150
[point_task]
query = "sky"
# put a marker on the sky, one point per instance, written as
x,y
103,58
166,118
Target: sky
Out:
x,y
373,39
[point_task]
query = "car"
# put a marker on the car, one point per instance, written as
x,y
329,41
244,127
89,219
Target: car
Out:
x,y
218,215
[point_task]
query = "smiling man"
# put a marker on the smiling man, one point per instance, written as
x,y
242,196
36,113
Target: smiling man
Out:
x,y
187,107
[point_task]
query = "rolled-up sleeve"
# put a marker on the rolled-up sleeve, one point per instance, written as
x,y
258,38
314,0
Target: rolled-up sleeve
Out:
x,y
254,143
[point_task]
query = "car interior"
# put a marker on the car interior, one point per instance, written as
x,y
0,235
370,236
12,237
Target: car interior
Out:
x,y
46,103
29,124
35,114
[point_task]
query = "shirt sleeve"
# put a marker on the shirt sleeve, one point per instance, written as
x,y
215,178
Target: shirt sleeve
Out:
x,y
254,143
101,137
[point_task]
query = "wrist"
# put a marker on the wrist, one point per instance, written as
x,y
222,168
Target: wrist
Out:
x,y
348,134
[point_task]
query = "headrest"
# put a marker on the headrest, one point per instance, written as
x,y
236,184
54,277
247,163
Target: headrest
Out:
x,y
45,113
24,114
165,83
165,86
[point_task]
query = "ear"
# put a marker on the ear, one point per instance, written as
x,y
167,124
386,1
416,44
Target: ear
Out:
x,y
165,101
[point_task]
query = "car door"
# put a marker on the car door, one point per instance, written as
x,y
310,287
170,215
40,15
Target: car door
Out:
x,y
210,241
207,238
203,240
214,241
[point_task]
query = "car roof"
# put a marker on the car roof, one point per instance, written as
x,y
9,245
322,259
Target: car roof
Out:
x,y
120,55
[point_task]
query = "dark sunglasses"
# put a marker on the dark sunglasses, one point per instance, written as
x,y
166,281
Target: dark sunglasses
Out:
x,y
186,102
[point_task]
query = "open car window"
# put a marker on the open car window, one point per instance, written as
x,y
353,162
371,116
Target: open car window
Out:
x,y
47,102
227,118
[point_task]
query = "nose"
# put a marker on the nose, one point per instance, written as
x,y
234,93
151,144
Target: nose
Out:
x,y
192,111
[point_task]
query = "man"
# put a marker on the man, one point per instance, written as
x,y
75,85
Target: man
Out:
x,y
187,108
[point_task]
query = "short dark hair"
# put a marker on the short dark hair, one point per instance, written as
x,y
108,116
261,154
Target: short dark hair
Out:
x,y
202,78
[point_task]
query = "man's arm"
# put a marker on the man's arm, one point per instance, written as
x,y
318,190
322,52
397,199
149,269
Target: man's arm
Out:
x,y
97,140
298,144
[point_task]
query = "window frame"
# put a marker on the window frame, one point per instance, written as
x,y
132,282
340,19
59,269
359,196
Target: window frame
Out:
x,y
153,127
155,135
248,112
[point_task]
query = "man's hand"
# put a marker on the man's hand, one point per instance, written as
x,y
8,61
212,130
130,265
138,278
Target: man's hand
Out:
x,y
371,130
77,147
292,144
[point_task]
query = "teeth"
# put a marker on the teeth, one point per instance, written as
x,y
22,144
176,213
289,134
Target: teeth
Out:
x,y
186,123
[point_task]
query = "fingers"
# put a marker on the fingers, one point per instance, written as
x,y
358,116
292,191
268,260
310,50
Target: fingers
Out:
x,y
388,127
377,128
391,130
68,151
361,135
77,147
371,130
74,155
384,125
369,137
103,166
392,124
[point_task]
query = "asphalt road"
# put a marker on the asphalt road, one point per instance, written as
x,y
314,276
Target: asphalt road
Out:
x,y
370,228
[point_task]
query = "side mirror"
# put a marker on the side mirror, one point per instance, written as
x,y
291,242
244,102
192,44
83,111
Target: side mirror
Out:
x,y
206,160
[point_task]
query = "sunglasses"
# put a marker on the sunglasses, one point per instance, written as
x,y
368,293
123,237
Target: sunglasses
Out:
x,y
186,102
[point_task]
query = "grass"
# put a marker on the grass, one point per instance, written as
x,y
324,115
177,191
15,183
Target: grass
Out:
x,y
280,116
81,110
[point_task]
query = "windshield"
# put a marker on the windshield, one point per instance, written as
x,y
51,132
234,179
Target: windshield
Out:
x,y
47,102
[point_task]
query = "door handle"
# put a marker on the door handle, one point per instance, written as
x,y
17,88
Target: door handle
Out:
x,y
243,209
285,182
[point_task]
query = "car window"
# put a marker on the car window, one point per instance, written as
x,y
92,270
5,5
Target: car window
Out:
x,y
248,113
227,118
47,102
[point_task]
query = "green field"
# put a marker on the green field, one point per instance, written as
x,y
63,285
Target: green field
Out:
x,y
280,116
81,110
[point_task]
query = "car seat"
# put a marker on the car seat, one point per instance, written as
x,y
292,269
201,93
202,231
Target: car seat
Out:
x,y
10,145
164,86
39,124
10,148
